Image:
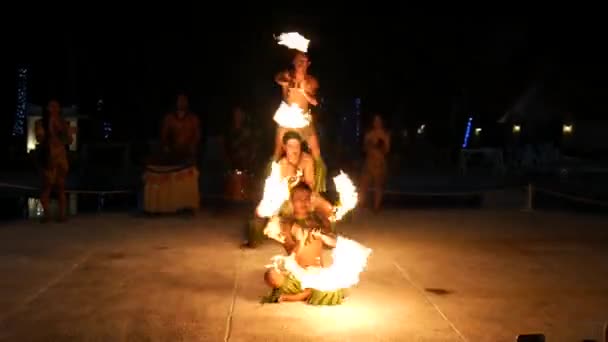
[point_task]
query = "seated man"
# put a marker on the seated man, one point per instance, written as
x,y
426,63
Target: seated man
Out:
x,y
303,235
294,164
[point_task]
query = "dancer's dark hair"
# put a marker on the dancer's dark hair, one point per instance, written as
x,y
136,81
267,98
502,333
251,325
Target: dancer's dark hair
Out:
x,y
301,186
291,135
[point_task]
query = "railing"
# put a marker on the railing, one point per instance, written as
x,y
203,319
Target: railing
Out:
x,y
530,191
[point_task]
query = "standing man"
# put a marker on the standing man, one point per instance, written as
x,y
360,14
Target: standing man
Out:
x,y
376,144
181,133
54,134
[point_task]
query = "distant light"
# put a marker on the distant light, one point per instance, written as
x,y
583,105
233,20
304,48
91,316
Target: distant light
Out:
x,y
467,132
107,130
421,129
477,131
567,129
516,128
20,113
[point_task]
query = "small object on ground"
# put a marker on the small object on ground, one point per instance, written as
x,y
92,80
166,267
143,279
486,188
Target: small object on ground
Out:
x,y
531,338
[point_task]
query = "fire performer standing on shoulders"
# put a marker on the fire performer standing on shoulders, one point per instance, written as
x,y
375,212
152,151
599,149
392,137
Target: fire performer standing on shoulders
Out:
x,y
299,90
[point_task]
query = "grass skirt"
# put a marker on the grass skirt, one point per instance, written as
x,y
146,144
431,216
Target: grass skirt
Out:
x,y
292,286
349,260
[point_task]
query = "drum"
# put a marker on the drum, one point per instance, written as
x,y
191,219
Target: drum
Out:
x,y
169,189
238,185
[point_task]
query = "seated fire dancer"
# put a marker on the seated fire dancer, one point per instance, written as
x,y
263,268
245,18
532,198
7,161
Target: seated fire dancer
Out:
x,y
299,91
296,166
303,235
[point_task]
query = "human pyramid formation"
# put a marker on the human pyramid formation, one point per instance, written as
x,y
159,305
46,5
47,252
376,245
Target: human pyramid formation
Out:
x,y
293,211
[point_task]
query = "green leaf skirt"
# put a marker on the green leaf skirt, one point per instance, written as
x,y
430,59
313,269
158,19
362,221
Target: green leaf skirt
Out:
x,y
292,286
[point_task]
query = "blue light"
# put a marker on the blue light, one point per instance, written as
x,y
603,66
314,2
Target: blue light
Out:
x,y
467,133
107,130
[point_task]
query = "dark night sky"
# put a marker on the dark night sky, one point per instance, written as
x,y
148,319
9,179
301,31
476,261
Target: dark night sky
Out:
x,y
410,62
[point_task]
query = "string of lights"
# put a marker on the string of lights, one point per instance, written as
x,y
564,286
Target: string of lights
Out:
x,y
106,126
20,113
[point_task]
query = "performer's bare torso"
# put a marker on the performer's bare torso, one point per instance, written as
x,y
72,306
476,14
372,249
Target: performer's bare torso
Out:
x,y
299,89
306,247
376,146
181,134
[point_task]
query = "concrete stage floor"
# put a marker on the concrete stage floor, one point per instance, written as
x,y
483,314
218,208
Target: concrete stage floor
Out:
x,y
442,275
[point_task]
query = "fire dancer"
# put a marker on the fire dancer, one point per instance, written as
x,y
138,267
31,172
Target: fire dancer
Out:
x,y
303,235
297,166
299,90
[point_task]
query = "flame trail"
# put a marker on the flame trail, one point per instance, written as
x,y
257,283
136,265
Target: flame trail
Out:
x,y
349,261
276,192
293,40
291,116
347,193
